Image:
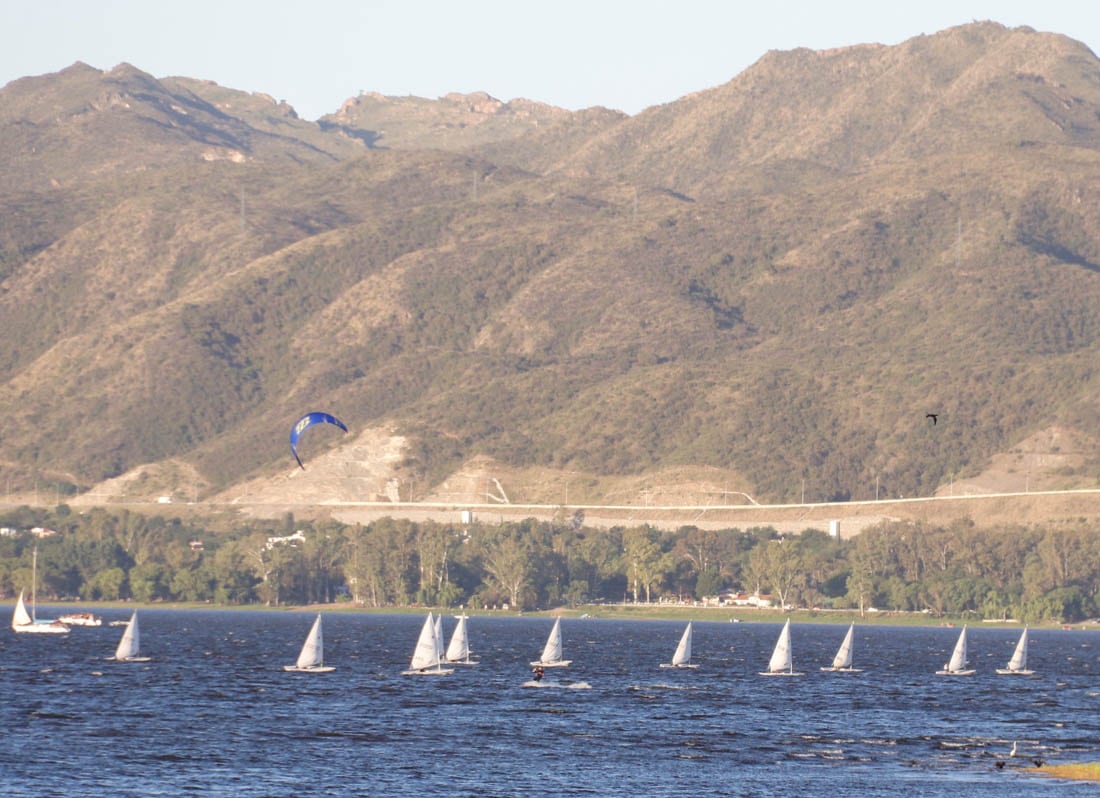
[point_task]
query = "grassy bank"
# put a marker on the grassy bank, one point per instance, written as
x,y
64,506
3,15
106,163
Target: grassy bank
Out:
x,y
652,612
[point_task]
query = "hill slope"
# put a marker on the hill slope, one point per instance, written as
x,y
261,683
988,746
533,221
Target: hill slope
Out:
x,y
776,278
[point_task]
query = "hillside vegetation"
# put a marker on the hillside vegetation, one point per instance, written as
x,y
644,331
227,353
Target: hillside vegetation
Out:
x,y
776,278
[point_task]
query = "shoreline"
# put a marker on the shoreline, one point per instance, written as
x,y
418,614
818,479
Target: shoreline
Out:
x,y
641,612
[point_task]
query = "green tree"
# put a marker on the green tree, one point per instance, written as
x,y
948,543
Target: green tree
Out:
x,y
106,585
709,582
780,565
642,561
506,556
148,582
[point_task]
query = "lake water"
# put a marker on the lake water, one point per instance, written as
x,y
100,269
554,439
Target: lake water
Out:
x,y
215,715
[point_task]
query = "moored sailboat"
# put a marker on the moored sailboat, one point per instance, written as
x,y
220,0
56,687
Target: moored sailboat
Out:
x,y
427,656
552,651
129,647
782,663
842,662
27,622
1017,666
956,666
682,656
311,659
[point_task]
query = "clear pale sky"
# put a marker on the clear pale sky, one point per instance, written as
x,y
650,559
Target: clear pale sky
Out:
x,y
622,54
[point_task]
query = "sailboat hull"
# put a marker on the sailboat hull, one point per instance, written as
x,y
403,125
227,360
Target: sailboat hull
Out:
x,y
967,672
686,665
781,673
130,659
830,669
42,628
1011,672
429,672
317,669
561,663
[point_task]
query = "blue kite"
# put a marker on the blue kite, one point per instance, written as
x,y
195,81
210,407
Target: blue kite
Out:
x,y
304,423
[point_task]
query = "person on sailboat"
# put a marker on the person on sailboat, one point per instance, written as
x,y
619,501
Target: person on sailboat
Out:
x,y
539,673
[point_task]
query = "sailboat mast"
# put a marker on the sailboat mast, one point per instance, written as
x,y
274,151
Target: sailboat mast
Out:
x,y
34,584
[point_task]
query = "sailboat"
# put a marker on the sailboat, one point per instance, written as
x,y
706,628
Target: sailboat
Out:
x,y
551,652
1017,666
957,665
458,650
682,657
312,657
426,658
842,662
129,647
781,663
23,621
438,627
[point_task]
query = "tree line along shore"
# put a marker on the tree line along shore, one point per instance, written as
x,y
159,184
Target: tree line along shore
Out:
x,y
898,572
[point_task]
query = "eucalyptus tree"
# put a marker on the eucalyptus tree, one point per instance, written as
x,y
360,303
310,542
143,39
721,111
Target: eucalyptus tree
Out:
x,y
506,558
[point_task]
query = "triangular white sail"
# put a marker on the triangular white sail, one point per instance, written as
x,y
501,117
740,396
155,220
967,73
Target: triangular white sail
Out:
x,y
782,663
129,647
458,651
552,651
311,659
1019,656
682,657
1018,663
781,657
958,656
842,662
424,656
20,617
843,658
427,654
439,637
956,666
683,650
313,650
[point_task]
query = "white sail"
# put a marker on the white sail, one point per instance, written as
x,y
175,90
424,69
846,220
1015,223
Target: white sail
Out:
x,y
958,656
424,656
439,637
459,648
552,651
313,650
1019,656
311,659
843,658
20,617
956,666
781,657
427,654
1018,663
129,647
683,650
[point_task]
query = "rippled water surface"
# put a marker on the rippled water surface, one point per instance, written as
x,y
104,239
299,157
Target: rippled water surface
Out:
x,y
214,714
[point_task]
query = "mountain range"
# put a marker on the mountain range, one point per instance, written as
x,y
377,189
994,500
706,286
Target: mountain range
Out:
x,y
765,288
